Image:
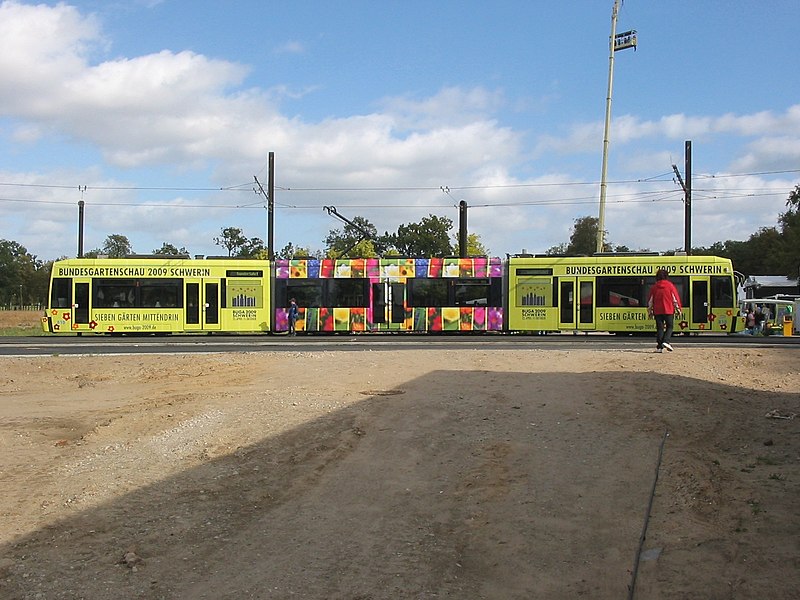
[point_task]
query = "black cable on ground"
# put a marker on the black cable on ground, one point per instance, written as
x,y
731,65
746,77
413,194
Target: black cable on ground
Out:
x,y
635,570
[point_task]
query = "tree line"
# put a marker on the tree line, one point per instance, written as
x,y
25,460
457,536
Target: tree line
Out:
x,y
24,278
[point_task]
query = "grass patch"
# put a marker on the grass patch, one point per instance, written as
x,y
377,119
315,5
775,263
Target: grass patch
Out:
x,y
21,323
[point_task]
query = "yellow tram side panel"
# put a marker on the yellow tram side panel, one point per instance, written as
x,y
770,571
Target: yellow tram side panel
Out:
x,y
561,293
230,295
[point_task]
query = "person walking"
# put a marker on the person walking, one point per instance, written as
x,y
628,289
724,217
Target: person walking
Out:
x,y
293,314
663,304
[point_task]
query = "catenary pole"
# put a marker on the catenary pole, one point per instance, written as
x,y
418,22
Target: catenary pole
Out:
x,y
687,214
271,208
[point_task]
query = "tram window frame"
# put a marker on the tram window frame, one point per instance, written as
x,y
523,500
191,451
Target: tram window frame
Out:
x,y
114,293
722,294
137,293
424,291
683,287
160,293
61,292
471,292
308,293
630,288
347,293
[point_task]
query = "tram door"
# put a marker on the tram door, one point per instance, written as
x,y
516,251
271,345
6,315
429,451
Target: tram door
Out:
x,y
576,301
201,306
699,296
388,305
80,301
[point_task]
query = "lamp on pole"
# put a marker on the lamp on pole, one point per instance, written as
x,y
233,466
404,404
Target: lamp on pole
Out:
x,y
617,42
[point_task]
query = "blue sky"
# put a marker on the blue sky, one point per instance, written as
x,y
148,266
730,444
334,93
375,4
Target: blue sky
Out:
x,y
166,111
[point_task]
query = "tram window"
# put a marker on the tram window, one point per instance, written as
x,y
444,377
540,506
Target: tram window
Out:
x,y
586,309
347,293
307,293
721,291
114,293
427,292
620,291
471,292
160,293
62,293
192,303
682,284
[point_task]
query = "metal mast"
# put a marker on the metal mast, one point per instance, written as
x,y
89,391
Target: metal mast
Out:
x,y
616,42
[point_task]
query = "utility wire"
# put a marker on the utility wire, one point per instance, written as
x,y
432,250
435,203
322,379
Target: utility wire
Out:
x,y
246,187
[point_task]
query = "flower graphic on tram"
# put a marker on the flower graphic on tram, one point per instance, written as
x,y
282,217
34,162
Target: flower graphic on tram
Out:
x,y
495,319
479,318
434,319
281,319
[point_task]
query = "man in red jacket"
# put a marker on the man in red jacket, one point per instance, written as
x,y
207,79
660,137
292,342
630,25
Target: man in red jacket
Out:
x,y
663,303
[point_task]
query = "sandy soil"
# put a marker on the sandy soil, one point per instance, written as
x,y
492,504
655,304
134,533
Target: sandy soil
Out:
x,y
408,474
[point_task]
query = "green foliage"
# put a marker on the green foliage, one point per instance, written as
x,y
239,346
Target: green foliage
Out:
x,y
232,239
363,249
289,251
557,250
348,241
116,246
170,250
475,246
237,244
583,240
429,237
789,222
24,279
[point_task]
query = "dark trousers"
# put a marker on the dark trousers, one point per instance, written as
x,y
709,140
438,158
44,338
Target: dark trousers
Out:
x,y
664,325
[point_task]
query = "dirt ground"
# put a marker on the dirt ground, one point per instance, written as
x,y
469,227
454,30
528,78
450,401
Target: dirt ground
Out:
x,y
369,475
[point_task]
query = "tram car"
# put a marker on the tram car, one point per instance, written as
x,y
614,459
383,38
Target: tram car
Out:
x,y
518,294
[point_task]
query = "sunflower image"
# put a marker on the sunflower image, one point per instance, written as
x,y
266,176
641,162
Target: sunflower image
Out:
x,y
297,269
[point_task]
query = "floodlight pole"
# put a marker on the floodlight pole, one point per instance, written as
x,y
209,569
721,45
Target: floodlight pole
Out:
x,y
604,170
618,42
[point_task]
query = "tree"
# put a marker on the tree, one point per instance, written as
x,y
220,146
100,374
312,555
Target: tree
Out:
x,y
23,278
789,259
289,251
170,250
557,250
346,241
584,237
232,239
429,237
253,248
116,246
475,246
